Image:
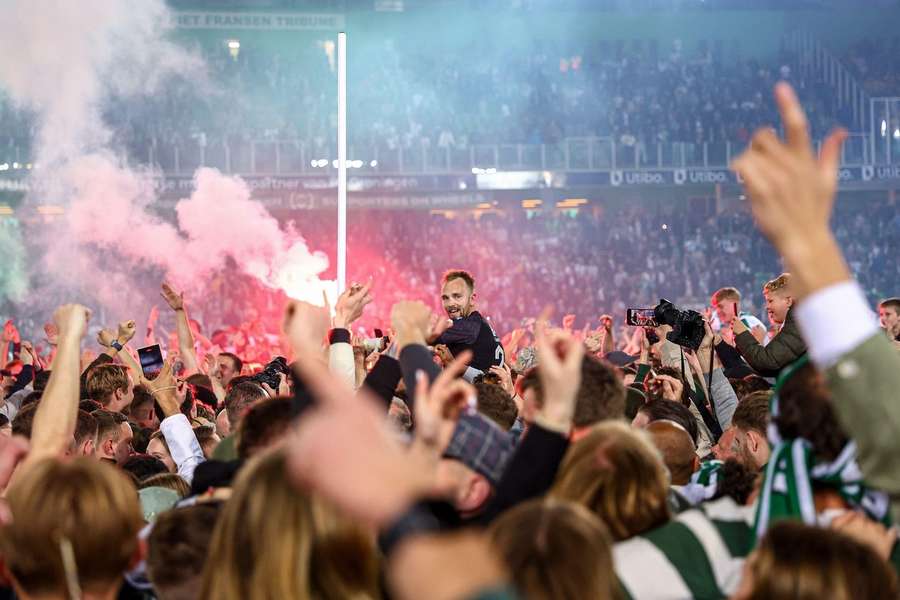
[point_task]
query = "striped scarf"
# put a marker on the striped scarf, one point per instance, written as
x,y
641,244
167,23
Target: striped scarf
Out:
x,y
787,490
704,482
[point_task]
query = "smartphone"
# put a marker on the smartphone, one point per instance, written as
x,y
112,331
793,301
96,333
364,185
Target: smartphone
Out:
x,y
641,317
151,360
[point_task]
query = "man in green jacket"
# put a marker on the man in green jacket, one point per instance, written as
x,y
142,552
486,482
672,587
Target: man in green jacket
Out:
x,y
787,346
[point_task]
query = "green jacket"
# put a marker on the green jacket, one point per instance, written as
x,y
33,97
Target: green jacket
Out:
x,y
782,350
865,385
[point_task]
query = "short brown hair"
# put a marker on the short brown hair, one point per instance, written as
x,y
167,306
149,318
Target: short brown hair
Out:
x,y
618,474
458,274
241,397
108,424
726,293
496,404
177,549
104,380
85,427
601,395
892,303
821,562
781,283
84,502
556,549
24,420
263,424
752,413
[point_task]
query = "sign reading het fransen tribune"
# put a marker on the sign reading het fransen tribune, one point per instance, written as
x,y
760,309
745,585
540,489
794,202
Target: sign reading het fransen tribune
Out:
x,y
256,20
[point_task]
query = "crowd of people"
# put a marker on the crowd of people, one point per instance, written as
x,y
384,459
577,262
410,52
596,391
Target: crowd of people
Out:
x,y
707,457
637,93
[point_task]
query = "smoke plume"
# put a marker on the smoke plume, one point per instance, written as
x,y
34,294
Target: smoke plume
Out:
x,y
64,61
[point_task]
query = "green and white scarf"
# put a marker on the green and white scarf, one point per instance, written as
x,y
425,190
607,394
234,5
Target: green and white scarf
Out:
x,y
787,491
704,482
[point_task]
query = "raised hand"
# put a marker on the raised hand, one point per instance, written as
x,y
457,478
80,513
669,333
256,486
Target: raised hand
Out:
x,y
305,326
350,304
105,338
415,324
505,376
10,333
174,299
71,320
438,407
593,343
126,331
559,369
343,450
792,192
444,354
52,333
28,356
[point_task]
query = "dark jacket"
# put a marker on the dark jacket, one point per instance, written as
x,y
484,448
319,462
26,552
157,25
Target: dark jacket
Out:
x,y
782,350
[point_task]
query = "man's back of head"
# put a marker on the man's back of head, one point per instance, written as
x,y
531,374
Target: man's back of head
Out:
x,y
496,404
677,449
263,425
177,549
84,507
601,395
240,398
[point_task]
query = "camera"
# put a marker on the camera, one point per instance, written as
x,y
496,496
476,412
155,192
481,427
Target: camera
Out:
x,y
270,374
688,327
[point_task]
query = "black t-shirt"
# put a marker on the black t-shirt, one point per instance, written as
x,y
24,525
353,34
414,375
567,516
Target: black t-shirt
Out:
x,y
474,333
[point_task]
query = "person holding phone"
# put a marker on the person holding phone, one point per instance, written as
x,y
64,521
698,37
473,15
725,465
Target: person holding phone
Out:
x,y
726,302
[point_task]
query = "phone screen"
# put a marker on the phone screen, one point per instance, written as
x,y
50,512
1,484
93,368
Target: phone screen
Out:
x,y
151,360
641,317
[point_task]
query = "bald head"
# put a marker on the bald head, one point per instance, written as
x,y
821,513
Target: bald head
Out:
x,y
677,449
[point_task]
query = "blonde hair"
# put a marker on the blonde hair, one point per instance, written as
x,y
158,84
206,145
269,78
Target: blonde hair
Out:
x,y
170,481
556,549
85,505
617,473
273,542
726,293
782,284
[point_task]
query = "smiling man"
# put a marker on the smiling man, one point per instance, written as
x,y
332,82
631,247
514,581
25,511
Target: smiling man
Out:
x,y
787,345
469,330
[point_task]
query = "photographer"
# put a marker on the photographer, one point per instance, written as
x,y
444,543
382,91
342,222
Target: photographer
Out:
x,y
787,345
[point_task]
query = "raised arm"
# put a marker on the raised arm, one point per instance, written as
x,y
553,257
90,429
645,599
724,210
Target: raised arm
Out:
x,y
57,413
183,445
791,193
348,309
175,300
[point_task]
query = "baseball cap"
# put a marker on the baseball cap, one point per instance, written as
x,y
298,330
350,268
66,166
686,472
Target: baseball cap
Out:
x,y
481,445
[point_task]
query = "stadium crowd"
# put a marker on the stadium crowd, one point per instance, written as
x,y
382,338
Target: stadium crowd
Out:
x,y
449,462
637,93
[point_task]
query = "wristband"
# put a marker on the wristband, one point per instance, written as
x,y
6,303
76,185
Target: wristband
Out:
x,y
163,389
115,344
339,335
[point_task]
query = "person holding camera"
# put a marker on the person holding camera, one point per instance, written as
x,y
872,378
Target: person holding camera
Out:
x,y
787,345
